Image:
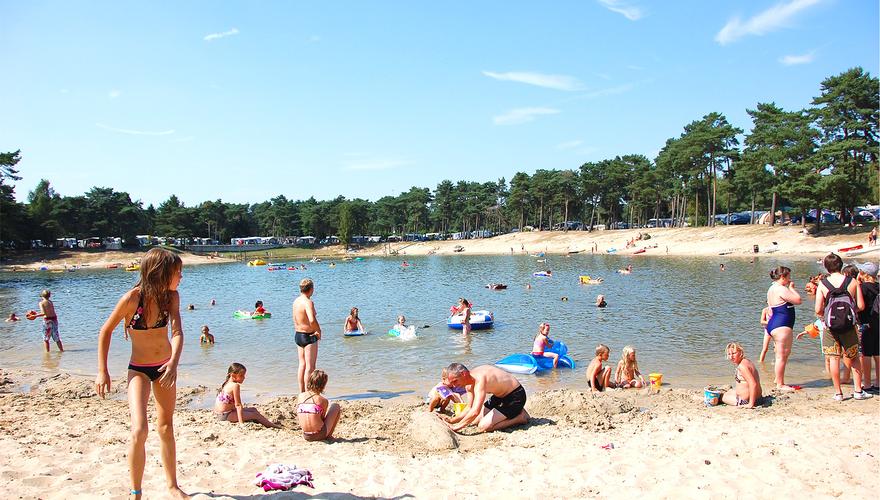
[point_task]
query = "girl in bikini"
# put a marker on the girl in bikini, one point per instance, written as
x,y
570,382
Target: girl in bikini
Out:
x,y
228,407
747,383
147,311
628,374
317,416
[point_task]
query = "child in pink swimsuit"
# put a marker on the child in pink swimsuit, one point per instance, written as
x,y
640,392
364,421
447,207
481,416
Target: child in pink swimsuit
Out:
x,y
542,340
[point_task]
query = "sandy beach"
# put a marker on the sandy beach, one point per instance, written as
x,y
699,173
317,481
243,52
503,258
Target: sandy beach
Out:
x,y
62,441
721,240
62,259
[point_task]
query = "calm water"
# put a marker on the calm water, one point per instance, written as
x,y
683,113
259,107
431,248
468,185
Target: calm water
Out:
x,y
678,312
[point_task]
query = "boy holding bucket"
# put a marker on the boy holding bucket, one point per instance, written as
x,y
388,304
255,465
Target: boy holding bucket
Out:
x,y
747,384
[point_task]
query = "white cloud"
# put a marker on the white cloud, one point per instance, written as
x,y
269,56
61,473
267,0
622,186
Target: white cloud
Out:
x,y
558,82
793,60
569,144
623,8
771,19
375,164
113,94
222,34
133,132
522,115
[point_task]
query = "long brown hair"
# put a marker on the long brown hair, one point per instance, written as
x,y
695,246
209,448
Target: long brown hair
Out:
x,y
157,268
234,368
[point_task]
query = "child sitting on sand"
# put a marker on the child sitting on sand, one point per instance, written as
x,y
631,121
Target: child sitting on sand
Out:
x,y
228,405
206,337
317,416
542,340
765,320
599,377
628,374
747,384
443,393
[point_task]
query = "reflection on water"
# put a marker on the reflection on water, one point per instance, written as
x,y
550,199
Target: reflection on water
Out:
x,y
679,313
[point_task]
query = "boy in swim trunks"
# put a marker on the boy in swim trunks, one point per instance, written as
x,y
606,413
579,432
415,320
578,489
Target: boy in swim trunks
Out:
x,y
504,408
599,377
50,321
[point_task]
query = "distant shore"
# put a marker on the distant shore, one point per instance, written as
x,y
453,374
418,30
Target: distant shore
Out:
x,y
714,241
729,241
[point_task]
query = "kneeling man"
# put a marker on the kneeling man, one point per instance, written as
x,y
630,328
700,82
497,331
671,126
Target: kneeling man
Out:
x,y
504,408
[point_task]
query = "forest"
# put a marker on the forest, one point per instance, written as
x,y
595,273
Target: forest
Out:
x,y
822,156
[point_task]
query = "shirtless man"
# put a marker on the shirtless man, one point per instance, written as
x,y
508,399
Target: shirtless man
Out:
x,y
308,331
504,408
50,321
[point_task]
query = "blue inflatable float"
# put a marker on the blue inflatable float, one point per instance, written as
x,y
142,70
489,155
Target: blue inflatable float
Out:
x,y
527,364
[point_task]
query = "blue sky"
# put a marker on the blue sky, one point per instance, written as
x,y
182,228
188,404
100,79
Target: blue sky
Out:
x,y
244,101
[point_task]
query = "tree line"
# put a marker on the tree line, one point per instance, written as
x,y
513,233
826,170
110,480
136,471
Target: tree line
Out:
x,y
822,156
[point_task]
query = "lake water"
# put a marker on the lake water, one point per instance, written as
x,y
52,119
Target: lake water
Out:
x,y
679,313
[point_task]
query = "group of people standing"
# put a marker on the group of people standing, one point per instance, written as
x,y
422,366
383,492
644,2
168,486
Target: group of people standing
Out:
x,y
847,307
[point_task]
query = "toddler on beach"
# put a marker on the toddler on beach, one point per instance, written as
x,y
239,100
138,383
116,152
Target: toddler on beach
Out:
x,y
206,337
228,407
317,416
599,377
542,340
443,393
628,374
747,383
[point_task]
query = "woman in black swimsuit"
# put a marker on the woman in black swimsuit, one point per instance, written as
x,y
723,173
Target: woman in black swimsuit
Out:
x,y
146,311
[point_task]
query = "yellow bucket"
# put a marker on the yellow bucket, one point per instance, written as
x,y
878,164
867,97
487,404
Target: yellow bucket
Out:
x,y
656,380
459,408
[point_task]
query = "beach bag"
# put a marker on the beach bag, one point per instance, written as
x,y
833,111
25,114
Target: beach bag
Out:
x,y
840,311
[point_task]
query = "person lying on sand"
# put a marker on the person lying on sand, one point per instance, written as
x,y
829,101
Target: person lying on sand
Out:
x,y
504,408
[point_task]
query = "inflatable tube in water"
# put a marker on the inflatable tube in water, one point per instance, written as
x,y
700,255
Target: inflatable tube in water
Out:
x,y
522,364
248,315
354,333
409,331
480,320
545,274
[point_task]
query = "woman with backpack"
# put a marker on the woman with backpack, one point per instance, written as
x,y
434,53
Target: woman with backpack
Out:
x,y
781,299
838,300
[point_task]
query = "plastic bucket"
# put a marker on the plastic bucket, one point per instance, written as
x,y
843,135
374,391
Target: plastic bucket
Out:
x,y
712,398
459,408
656,380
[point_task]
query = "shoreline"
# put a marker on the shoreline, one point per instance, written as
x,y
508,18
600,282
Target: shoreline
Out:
x,y
61,441
719,241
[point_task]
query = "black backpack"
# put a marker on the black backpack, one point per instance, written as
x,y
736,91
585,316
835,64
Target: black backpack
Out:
x,y
840,310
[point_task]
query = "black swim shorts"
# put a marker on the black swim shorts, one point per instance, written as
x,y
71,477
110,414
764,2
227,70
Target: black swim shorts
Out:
x,y
511,405
304,339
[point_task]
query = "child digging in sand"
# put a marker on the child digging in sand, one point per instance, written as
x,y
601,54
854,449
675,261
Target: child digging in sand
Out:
x,y
628,374
598,377
443,393
747,384
228,407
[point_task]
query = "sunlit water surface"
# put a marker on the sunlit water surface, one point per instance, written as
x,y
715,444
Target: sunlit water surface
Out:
x,y
679,313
